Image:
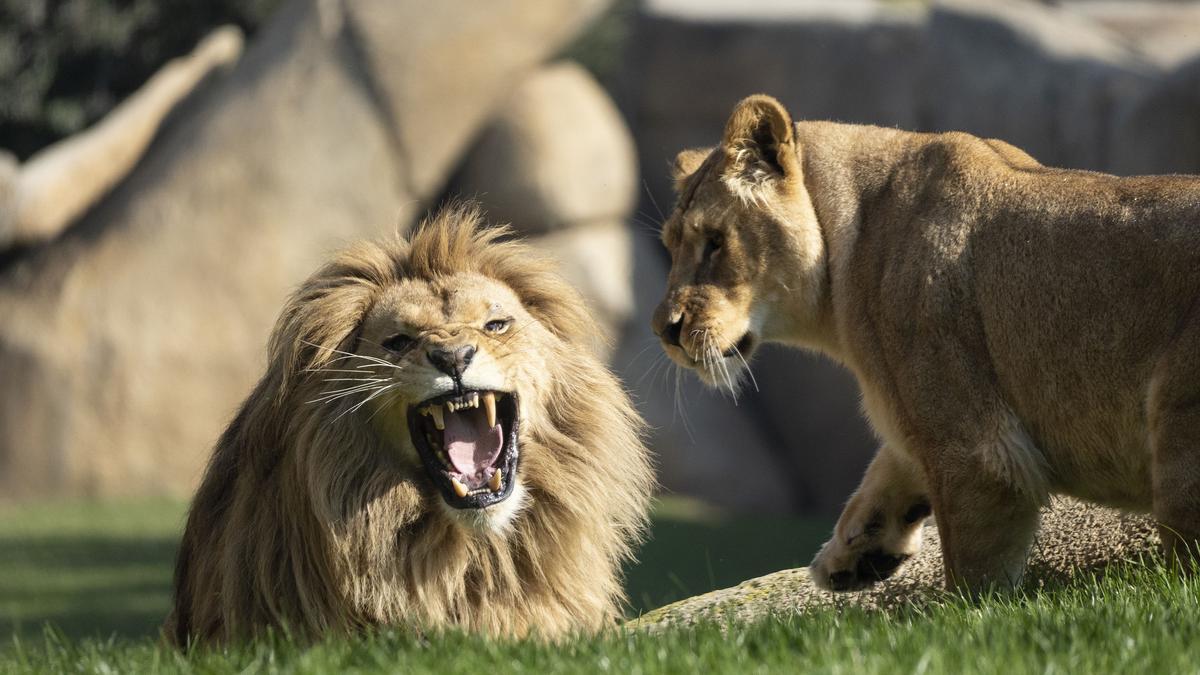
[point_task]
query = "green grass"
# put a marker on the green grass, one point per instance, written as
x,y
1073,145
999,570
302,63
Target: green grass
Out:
x,y
100,575
1138,621
96,570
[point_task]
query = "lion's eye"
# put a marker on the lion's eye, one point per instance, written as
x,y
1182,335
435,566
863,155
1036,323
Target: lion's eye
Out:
x,y
497,326
399,343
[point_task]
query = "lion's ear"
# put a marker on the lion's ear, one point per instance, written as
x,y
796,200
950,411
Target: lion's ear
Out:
x,y
760,142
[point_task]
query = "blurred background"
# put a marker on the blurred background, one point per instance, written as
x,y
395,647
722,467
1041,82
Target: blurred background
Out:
x,y
170,169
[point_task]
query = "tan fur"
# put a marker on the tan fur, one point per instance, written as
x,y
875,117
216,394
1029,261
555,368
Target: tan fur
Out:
x,y
1016,330
318,516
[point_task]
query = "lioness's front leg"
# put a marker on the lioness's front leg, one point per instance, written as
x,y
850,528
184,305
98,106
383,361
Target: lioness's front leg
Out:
x,y
880,527
986,523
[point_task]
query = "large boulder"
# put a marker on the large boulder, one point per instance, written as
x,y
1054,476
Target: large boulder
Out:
x,y
557,153
1045,80
1076,540
557,162
126,344
1159,132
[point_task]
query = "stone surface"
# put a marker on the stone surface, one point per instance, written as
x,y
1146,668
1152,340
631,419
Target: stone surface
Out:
x,y
446,64
597,258
556,153
1076,539
59,183
1165,33
1159,132
126,345
1044,80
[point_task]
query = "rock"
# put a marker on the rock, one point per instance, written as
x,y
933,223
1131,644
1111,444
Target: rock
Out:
x,y
60,182
557,153
1044,80
446,65
1159,132
126,344
1076,539
1162,32
597,258
692,60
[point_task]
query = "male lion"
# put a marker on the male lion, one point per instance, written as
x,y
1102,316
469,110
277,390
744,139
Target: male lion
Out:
x,y
432,445
1016,330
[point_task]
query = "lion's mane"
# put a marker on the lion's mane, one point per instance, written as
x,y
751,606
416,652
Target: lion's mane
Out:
x,y
303,522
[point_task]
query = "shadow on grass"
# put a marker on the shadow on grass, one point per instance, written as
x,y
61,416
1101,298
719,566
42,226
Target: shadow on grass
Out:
x,y
84,585
98,571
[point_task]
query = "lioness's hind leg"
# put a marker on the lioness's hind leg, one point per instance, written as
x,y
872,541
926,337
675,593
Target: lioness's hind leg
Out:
x,y
880,527
1174,416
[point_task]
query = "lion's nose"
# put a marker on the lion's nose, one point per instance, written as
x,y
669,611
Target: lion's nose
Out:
x,y
452,362
672,332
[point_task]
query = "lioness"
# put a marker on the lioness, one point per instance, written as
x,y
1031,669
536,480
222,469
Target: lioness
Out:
x,y
1016,330
432,445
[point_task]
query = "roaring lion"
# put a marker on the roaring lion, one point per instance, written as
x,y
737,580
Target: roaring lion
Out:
x,y
1016,330
432,445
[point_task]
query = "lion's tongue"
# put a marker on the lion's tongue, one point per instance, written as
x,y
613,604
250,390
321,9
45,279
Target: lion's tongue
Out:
x,y
472,446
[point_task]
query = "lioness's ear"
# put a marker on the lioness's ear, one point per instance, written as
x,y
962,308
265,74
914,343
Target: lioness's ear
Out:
x,y
760,142
686,164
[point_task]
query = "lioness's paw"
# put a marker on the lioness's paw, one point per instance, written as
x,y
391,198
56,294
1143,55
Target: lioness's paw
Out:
x,y
861,554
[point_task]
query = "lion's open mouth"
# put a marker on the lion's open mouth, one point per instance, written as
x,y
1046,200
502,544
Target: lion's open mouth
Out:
x,y
468,443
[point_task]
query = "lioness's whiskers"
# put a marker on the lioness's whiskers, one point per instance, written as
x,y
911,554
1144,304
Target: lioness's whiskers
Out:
x,y
747,366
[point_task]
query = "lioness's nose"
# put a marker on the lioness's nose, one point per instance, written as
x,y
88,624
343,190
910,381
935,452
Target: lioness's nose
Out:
x,y
672,332
667,322
452,362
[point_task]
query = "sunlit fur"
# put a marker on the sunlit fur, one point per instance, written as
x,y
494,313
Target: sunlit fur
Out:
x,y
314,513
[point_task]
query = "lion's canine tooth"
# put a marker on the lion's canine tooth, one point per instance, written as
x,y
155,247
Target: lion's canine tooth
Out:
x,y
459,488
489,405
494,483
437,413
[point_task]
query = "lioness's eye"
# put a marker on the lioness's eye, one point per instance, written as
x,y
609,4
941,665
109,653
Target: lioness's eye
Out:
x,y
497,326
398,343
713,243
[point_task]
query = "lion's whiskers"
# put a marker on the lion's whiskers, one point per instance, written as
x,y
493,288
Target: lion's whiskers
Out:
x,y
330,396
365,401
351,355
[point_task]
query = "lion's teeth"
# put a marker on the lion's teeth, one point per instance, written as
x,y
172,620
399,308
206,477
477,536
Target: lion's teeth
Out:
x,y
496,480
473,400
459,488
489,405
437,413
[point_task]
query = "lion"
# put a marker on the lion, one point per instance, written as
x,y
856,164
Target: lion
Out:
x,y
1016,330
432,446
